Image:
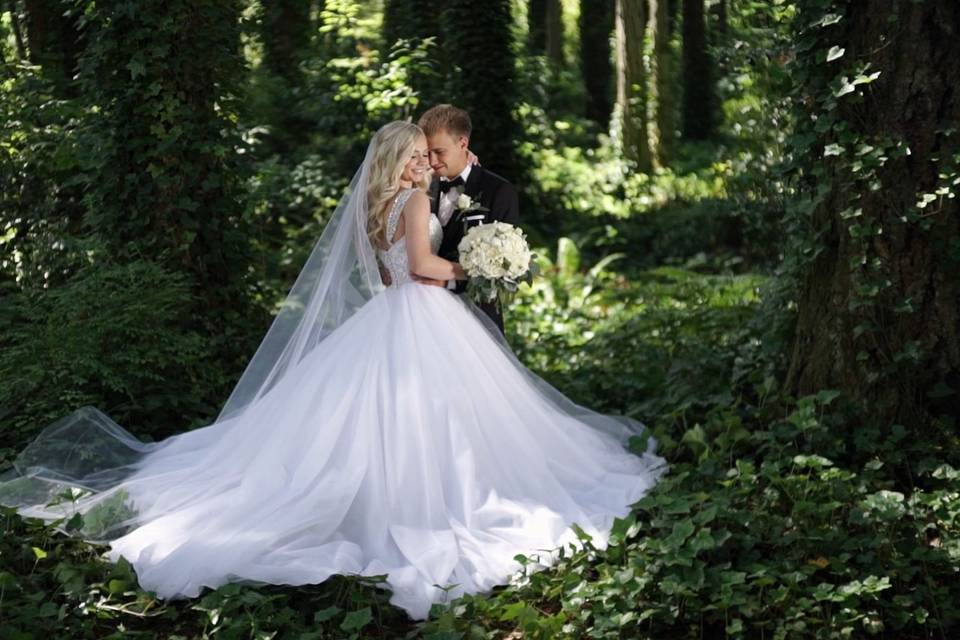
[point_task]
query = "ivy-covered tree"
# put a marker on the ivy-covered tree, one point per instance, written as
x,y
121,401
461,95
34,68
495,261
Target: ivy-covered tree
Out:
x,y
483,77
408,19
415,22
673,8
720,17
537,26
161,172
879,301
276,89
285,33
631,111
53,39
596,26
697,110
661,84
554,21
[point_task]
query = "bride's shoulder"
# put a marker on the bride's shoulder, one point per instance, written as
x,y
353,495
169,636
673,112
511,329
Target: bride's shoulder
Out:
x,y
418,199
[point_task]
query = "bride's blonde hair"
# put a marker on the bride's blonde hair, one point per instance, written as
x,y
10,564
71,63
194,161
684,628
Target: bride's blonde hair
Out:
x,y
393,147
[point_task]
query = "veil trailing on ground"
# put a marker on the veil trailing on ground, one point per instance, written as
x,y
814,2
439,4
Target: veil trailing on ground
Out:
x,y
85,463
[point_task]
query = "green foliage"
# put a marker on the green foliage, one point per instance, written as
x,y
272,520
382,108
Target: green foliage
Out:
x,y
750,537
482,78
872,221
682,331
161,172
662,296
58,587
118,337
40,190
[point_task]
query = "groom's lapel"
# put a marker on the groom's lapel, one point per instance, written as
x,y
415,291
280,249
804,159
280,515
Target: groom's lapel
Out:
x,y
472,188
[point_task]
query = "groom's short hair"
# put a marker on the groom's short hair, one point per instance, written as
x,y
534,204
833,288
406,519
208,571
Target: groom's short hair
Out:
x,y
455,120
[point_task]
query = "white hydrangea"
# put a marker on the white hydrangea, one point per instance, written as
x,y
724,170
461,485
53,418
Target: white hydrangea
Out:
x,y
495,251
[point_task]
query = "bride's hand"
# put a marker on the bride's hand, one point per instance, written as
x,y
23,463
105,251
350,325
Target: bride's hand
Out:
x,y
384,274
472,158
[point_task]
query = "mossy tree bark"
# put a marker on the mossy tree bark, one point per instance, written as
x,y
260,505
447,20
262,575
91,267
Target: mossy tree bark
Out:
x,y
631,112
879,305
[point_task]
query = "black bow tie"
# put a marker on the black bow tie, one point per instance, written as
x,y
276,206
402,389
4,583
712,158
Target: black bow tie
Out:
x,y
446,185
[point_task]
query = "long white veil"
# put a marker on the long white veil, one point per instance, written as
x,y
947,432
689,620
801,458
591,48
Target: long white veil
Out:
x,y
85,463
339,276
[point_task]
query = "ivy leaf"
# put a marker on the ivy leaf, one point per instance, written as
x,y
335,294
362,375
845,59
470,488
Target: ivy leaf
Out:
x,y
136,68
866,79
829,19
356,619
845,88
835,53
941,390
326,614
832,150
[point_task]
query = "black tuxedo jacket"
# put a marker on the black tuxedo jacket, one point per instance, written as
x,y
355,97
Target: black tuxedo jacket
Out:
x,y
491,191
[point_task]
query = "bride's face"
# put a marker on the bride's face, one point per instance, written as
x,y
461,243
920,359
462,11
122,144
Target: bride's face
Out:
x,y
416,168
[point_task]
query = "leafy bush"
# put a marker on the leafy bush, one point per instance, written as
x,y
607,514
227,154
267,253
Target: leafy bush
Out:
x,y
658,344
40,197
118,337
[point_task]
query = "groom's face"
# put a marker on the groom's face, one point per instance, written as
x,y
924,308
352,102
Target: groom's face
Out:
x,y
448,153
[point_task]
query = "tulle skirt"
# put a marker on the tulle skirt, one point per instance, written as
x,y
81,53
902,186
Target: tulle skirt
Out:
x,y
409,443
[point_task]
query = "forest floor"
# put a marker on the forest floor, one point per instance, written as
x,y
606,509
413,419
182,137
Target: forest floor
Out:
x,y
770,522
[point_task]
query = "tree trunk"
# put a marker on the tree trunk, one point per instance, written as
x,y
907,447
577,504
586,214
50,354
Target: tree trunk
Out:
x,y
698,98
537,26
631,94
554,28
596,27
53,41
661,85
17,32
417,21
286,33
482,48
720,15
879,305
673,7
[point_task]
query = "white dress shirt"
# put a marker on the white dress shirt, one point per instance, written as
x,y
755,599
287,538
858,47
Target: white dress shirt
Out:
x,y
448,204
448,200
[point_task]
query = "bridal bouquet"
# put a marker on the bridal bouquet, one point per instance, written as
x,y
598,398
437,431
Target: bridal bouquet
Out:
x,y
497,259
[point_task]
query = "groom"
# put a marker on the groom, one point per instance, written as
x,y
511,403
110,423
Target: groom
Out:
x,y
448,131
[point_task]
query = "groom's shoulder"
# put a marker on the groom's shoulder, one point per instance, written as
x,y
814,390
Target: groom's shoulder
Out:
x,y
496,180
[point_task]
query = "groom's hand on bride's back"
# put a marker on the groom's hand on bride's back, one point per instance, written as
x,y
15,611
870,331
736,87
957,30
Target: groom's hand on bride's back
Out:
x,y
430,281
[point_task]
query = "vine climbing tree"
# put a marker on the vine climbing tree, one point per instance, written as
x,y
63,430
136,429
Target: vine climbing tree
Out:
x,y
879,304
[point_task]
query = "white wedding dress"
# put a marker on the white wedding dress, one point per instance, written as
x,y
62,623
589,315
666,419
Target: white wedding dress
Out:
x,y
409,442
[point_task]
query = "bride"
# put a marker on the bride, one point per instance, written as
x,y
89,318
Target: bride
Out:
x,y
377,430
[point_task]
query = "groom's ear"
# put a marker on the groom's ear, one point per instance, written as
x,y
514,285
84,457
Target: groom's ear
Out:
x,y
463,141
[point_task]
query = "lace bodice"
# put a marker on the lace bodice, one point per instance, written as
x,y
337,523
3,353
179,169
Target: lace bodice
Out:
x,y
395,258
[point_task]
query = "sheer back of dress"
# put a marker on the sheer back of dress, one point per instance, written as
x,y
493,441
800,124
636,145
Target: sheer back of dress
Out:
x,y
395,258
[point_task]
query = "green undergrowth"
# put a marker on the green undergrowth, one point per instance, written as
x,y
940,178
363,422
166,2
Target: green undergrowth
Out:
x,y
779,517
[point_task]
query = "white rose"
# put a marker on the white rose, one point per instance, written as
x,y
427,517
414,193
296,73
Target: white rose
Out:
x,y
464,202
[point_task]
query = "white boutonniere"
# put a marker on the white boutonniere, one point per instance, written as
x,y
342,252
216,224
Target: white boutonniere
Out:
x,y
467,206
